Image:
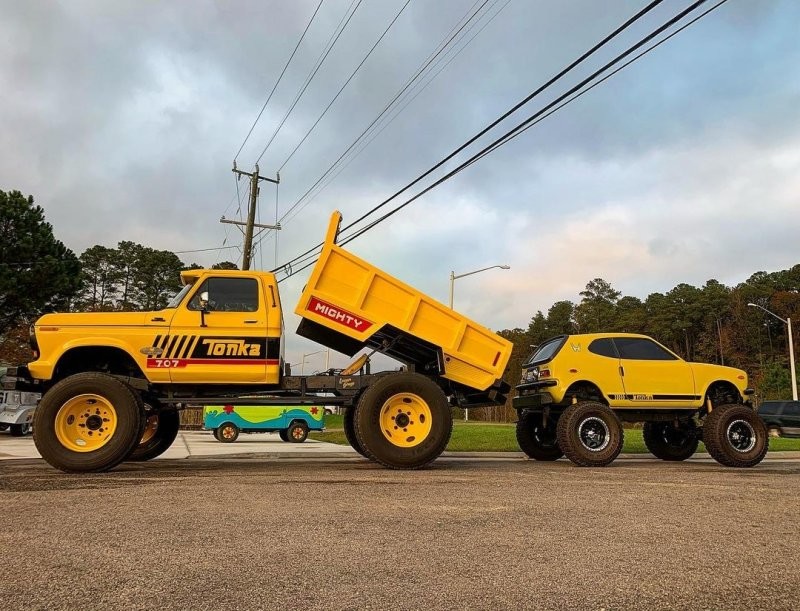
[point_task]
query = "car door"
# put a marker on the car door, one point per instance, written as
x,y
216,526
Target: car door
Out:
x,y
219,333
653,376
605,369
790,419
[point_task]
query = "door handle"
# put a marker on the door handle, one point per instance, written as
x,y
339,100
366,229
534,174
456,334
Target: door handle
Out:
x,y
621,371
157,319
250,322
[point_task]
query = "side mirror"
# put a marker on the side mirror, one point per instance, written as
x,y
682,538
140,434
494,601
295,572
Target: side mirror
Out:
x,y
204,300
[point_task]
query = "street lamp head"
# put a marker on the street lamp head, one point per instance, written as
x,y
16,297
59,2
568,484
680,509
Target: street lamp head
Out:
x,y
505,267
752,305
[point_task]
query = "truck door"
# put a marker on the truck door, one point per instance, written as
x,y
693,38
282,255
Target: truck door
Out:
x,y
653,376
218,334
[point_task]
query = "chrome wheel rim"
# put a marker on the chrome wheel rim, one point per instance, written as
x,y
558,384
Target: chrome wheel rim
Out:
x,y
594,434
741,436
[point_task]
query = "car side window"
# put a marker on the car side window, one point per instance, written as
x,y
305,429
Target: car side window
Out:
x,y
769,408
604,347
642,349
228,295
791,409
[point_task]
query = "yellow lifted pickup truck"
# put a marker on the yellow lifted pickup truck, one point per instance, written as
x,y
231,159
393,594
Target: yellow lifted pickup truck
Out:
x,y
577,389
113,381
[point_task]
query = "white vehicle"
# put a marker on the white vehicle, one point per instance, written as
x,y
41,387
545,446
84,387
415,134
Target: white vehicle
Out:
x,y
16,411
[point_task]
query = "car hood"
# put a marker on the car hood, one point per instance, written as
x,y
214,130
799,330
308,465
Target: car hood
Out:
x,y
97,319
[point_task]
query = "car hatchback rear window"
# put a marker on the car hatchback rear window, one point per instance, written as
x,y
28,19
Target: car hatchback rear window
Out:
x,y
769,408
547,350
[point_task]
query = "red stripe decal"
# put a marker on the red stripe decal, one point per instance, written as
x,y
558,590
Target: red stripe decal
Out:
x,y
181,363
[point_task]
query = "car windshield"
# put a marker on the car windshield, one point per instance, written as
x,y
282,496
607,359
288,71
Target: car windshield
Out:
x,y
547,350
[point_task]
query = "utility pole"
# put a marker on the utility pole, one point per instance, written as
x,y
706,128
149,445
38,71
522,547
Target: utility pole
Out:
x,y
251,212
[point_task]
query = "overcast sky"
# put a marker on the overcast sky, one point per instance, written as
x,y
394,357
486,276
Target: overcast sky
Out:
x,y
122,119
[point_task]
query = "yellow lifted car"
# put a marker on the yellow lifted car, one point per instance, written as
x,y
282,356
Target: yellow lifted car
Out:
x,y
577,389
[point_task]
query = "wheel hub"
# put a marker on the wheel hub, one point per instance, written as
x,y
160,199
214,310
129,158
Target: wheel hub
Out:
x,y
85,423
405,420
741,436
594,434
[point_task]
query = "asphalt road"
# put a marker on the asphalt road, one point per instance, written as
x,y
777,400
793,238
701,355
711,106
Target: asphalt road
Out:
x,y
344,534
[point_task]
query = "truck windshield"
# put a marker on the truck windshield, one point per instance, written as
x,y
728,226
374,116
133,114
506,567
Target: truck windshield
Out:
x,y
547,350
176,301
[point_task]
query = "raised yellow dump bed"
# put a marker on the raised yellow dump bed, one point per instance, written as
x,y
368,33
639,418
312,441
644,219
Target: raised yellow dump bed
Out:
x,y
349,304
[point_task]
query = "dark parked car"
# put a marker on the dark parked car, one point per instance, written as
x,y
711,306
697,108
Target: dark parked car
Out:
x,y
781,417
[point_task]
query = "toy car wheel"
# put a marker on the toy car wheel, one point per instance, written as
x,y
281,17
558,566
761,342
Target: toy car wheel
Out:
x,y
735,436
297,432
536,440
3,427
774,431
20,430
282,434
590,434
227,432
669,441
88,422
350,431
403,421
160,431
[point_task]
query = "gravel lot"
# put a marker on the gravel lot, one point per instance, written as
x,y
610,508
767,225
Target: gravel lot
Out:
x,y
344,534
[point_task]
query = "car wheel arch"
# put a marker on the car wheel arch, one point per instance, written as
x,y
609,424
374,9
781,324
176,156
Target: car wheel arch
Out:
x,y
585,390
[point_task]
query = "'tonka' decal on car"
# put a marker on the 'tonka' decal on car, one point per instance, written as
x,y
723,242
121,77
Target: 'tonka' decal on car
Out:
x,y
338,315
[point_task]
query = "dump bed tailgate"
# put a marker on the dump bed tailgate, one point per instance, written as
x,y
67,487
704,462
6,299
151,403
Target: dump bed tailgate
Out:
x,y
349,304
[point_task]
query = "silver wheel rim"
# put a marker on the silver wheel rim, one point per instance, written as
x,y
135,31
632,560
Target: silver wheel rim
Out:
x,y
594,434
741,436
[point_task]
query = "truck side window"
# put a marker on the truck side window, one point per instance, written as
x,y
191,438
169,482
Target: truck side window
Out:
x,y
228,295
642,349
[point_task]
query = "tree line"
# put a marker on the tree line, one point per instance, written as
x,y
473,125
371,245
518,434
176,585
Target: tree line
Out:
x,y
712,323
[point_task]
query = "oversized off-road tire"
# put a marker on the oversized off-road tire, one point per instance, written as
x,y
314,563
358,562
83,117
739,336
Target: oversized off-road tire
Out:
x,y
348,423
403,421
160,431
668,442
590,434
88,422
297,432
282,434
227,432
735,436
20,430
536,440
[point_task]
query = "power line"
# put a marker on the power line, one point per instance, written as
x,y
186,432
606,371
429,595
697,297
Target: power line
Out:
x,y
347,82
504,116
440,48
331,43
527,123
269,97
406,103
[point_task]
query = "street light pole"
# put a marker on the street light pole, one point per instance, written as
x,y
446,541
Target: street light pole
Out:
x,y
788,322
453,277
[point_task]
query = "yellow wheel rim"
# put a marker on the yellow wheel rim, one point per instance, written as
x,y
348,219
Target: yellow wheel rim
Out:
x,y
150,428
406,420
85,423
227,432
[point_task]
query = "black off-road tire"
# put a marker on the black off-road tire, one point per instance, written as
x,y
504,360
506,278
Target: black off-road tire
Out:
x,y
297,432
349,426
668,443
735,436
584,425
403,421
126,403
227,432
537,441
167,425
20,430
282,434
